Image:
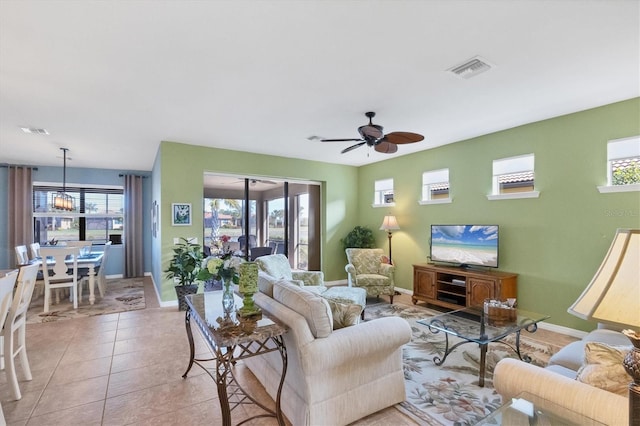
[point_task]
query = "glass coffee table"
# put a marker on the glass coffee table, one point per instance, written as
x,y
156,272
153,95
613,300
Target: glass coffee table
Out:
x,y
527,410
473,325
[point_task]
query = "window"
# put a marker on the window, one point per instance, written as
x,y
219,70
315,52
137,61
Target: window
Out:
x,y
435,187
99,213
226,217
513,177
383,195
623,165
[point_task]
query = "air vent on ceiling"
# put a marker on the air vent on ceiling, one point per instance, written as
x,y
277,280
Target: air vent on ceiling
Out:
x,y
34,131
471,68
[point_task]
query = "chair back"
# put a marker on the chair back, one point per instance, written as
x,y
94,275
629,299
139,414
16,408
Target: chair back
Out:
x,y
366,261
103,262
22,258
6,294
35,250
60,271
22,298
242,240
257,252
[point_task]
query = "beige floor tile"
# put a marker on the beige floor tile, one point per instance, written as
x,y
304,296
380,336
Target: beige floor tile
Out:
x,y
70,395
145,377
82,352
83,415
81,370
202,414
17,411
159,400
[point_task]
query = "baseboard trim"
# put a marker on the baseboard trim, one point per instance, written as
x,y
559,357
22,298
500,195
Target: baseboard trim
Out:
x,y
168,304
562,330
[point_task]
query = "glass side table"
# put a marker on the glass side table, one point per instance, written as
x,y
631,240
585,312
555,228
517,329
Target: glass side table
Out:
x,y
529,410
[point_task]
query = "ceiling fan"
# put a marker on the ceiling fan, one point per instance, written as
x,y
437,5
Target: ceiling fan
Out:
x,y
372,135
256,181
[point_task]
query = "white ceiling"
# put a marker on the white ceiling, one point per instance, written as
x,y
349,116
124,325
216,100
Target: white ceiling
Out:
x,y
111,79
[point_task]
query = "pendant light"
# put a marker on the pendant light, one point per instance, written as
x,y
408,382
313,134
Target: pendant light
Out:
x,y
62,200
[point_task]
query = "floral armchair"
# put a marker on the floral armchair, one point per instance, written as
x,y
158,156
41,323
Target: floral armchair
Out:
x,y
277,266
367,270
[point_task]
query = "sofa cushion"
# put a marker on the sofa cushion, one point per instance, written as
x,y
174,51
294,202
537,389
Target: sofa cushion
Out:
x,y
344,313
603,367
311,306
265,283
275,265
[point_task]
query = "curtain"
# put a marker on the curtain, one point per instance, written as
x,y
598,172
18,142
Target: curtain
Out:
x,y
20,208
133,242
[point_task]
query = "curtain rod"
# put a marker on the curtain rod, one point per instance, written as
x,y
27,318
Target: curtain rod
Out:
x,y
123,175
17,165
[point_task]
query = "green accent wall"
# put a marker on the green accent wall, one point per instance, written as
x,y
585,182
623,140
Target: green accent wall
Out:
x,y
180,169
555,242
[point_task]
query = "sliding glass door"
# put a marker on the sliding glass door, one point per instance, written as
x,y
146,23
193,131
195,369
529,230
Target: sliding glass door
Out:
x,y
279,215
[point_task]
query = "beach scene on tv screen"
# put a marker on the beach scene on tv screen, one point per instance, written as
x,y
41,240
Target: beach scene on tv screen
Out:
x,y
465,245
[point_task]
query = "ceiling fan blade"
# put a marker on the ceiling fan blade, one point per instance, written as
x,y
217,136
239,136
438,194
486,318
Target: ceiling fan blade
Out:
x,y
403,137
340,140
352,147
386,147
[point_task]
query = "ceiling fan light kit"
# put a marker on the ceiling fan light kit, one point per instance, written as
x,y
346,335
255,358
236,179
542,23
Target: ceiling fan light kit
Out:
x,y
373,135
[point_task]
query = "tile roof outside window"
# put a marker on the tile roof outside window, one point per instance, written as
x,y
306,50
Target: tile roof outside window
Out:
x,y
516,177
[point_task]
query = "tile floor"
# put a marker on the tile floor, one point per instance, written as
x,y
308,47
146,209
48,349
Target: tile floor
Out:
x,y
122,369
126,368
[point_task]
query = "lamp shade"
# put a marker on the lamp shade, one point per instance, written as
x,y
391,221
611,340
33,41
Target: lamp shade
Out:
x,y
613,296
389,223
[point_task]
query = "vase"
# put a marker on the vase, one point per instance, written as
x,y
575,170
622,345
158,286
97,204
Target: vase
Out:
x,y
183,290
227,296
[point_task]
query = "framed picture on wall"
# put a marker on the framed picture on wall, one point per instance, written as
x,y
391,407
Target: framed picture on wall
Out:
x,y
180,214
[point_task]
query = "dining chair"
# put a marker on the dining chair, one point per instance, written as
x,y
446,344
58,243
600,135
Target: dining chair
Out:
x,y
6,282
21,255
61,272
35,250
13,346
256,252
100,274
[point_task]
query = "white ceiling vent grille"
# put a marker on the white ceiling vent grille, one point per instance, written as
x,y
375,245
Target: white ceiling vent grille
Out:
x,y
471,68
33,130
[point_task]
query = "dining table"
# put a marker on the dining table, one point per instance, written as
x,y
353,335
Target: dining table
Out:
x,y
90,261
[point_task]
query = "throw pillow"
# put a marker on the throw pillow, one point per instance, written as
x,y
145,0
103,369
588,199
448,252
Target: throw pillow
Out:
x,y
344,313
603,367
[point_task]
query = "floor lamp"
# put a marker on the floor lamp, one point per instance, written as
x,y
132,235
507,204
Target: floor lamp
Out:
x,y
613,297
389,223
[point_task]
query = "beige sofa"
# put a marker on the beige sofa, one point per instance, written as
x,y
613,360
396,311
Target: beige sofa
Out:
x,y
557,382
334,377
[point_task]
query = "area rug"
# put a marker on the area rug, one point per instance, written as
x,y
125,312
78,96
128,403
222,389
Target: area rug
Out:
x,y
121,295
449,394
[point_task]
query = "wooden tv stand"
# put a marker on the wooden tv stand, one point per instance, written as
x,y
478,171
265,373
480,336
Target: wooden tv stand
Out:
x,y
456,288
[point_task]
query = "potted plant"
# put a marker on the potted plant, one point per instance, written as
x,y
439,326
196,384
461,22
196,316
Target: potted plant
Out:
x,y
359,237
185,266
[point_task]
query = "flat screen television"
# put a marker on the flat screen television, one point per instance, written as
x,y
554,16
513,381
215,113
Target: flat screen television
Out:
x,y
465,245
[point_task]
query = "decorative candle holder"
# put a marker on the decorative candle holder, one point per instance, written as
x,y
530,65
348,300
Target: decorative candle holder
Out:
x,y
248,286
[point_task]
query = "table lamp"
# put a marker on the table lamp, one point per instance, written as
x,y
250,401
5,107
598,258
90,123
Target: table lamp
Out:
x,y
613,297
389,223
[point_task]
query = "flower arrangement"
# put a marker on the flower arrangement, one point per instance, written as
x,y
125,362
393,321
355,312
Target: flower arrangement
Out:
x,y
225,268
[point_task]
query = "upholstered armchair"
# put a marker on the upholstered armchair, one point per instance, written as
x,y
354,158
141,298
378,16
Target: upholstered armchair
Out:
x,y
367,270
277,266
